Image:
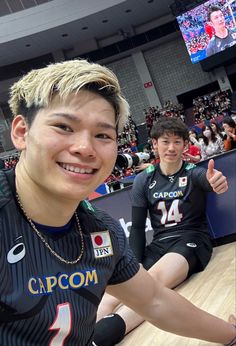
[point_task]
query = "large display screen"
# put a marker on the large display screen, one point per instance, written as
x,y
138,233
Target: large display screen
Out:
x,y
209,28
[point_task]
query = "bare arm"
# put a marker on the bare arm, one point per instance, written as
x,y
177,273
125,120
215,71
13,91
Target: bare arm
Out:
x,y
169,311
195,158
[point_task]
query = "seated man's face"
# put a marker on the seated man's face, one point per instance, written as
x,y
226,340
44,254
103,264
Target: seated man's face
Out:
x,y
170,148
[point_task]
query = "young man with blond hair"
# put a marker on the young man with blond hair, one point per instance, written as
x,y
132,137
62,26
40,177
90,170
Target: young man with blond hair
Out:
x,y
58,254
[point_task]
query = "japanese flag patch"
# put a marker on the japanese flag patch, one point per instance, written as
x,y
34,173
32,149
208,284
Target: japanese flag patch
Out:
x,y
183,181
102,245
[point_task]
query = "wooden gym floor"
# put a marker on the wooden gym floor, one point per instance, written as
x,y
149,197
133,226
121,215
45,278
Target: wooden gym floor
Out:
x,y
213,290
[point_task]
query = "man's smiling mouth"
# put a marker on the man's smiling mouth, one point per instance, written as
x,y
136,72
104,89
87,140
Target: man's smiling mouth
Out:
x,y
76,169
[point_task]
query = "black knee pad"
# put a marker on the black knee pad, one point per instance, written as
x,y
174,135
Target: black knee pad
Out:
x,y
109,331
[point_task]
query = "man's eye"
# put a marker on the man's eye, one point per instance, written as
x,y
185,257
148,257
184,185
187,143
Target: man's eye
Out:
x,y
103,136
63,127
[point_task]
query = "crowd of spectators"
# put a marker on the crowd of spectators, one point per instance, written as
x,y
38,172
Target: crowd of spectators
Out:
x,y
169,109
212,106
128,138
9,161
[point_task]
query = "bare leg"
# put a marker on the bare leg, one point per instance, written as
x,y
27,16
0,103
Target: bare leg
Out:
x,y
171,269
107,305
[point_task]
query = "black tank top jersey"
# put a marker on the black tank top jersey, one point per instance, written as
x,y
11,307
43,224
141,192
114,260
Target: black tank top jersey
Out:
x,y
44,301
175,203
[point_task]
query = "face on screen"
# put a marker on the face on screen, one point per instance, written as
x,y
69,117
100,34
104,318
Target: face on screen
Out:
x,y
217,19
198,29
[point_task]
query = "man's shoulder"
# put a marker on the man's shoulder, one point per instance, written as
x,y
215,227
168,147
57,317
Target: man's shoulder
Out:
x,y
212,41
211,45
109,225
7,178
194,171
232,32
144,176
232,29
193,167
150,169
97,219
189,166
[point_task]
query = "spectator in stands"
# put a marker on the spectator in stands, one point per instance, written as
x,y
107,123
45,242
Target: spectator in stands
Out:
x,y
230,133
128,137
211,144
213,106
169,109
218,131
223,37
233,116
153,158
192,153
174,194
10,161
194,138
133,145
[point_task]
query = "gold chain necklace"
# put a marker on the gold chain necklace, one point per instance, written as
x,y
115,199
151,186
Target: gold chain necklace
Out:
x,y
44,241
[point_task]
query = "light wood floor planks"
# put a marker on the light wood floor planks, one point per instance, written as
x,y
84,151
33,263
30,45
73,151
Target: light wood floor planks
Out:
x,y
213,290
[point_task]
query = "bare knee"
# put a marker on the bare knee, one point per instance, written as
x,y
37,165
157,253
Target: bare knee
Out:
x,y
172,269
167,280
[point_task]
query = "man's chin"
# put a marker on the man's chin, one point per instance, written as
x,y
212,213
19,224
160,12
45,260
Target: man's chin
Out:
x,y
172,158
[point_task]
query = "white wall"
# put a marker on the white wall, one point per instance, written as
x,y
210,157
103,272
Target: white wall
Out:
x,y
172,71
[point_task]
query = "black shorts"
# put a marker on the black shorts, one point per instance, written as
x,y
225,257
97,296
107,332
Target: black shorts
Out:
x,y
196,247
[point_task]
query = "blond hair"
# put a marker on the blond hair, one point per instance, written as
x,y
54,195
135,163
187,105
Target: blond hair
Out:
x,y
37,88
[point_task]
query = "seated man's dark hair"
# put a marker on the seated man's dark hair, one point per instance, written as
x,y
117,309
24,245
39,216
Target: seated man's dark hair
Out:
x,y
169,126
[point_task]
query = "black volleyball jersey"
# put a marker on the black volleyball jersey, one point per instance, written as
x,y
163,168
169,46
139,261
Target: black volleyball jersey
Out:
x,y
175,203
218,44
44,301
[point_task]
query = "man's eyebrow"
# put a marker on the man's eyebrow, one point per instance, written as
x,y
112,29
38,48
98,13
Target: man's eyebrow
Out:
x,y
73,117
69,116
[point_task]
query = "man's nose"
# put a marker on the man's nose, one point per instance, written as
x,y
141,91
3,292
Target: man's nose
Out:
x,y
171,147
83,145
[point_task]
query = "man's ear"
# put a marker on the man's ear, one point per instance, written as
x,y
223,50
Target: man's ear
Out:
x,y
19,130
154,143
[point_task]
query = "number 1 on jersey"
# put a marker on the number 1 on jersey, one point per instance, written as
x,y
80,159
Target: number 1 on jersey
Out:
x,y
62,324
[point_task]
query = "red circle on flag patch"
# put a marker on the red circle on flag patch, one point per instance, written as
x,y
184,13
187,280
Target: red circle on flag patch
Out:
x,y
98,240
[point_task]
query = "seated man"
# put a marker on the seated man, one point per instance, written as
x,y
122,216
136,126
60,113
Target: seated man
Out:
x,y
173,192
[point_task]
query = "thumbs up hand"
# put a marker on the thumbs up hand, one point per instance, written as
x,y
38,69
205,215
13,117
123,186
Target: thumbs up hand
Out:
x,y
210,170
216,179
